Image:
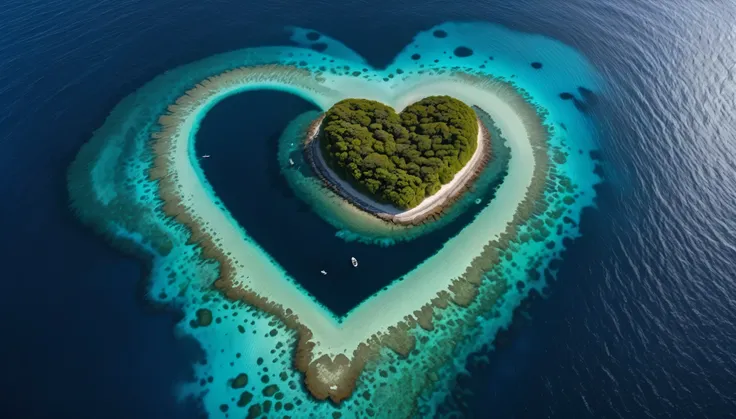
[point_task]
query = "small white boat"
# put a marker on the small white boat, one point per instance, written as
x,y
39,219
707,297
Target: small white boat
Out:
x,y
291,162
323,272
205,156
354,262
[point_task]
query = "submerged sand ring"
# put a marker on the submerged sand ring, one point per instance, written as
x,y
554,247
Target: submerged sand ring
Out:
x,y
138,183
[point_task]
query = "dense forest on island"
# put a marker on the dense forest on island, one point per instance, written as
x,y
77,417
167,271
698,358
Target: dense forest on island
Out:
x,y
399,158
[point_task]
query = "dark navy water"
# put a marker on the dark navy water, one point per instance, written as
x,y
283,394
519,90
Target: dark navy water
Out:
x,y
641,321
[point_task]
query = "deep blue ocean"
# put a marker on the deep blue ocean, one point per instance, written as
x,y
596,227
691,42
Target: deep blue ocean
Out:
x,y
640,322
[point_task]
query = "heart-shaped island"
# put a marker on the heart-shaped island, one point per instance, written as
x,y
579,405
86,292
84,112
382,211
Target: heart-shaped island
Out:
x,y
400,167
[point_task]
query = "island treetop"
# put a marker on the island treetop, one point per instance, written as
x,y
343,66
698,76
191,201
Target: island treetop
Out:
x,y
399,158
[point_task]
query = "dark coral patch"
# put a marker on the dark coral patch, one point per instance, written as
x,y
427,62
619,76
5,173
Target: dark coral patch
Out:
x,y
588,95
580,105
319,46
415,57
254,411
204,317
269,391
313,36
536,65
566,96
240,381
439,33
463,52
244,399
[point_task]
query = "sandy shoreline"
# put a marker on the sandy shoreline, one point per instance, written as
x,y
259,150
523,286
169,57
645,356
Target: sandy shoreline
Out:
x,y
332,355
429,207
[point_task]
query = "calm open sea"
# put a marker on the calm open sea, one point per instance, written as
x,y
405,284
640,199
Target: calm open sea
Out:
x,y
641,321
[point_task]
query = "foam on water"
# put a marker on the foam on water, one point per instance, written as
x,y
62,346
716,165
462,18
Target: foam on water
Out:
x,y
111,191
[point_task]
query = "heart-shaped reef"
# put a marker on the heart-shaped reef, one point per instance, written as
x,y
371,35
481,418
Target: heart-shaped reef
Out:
x,y
514,170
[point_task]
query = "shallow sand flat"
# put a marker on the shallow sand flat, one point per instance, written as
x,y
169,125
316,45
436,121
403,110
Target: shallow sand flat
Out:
x,y
387,308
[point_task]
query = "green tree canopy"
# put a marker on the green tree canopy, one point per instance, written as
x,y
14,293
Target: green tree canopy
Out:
x,y
399,158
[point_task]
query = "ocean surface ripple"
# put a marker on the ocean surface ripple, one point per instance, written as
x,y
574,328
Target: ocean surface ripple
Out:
x,y
641,321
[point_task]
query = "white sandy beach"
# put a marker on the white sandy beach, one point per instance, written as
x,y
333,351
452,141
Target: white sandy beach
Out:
x,y
418,287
